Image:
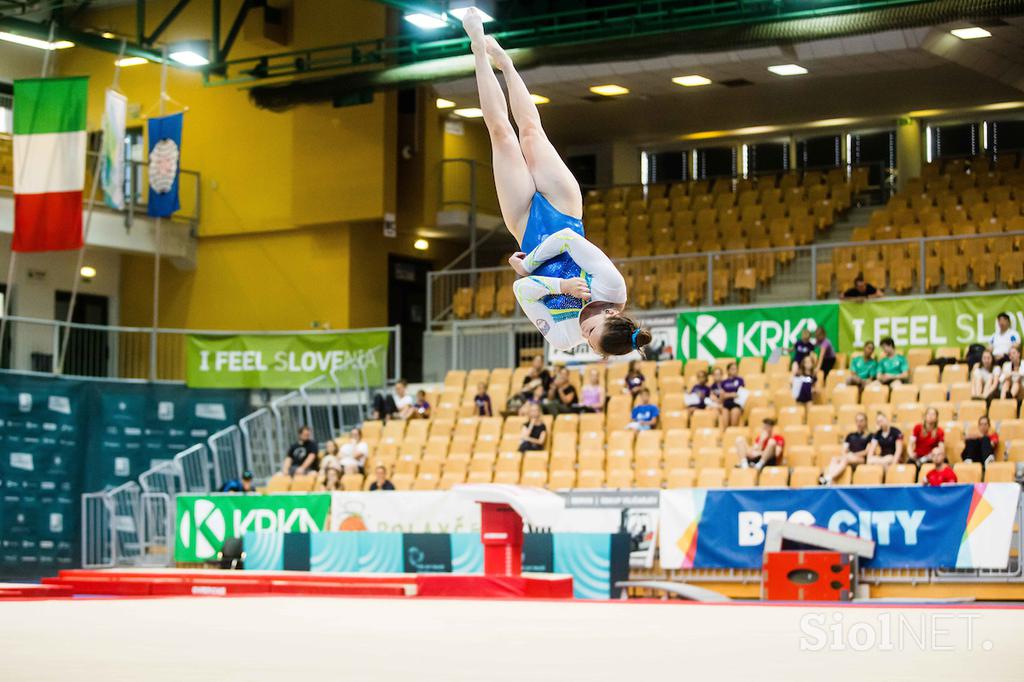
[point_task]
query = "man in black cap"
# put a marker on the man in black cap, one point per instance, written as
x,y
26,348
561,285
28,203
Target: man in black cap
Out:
x,y
235,485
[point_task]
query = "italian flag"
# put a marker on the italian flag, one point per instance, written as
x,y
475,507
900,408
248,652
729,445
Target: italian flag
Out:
x,y
49,163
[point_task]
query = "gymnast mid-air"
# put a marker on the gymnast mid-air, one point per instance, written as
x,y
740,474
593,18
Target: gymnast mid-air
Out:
x,y
569,288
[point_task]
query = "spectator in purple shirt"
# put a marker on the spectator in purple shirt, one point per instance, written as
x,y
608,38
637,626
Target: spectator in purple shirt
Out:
x,y
826,351
634,380
697,398
729,392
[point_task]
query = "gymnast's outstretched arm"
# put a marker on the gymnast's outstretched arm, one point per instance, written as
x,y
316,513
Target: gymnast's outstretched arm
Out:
x,y
607,283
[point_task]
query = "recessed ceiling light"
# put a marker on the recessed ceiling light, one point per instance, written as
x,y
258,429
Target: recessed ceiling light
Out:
x,y
787,70
539,99
108,35
609,90
443,103
35,42
428,22
471,112
131,61
459,12
421,245
87,271
189,58
691,81
970,33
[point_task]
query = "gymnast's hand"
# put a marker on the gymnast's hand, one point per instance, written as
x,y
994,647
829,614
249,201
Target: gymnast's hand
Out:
x,y
516,261
577,286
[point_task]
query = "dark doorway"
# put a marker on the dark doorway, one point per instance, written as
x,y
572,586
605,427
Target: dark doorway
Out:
x,y
88,351
407,306
584,169
5,343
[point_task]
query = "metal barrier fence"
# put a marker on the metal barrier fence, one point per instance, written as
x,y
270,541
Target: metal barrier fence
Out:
x,y
117,352
98,550
227,454
259,436
918,265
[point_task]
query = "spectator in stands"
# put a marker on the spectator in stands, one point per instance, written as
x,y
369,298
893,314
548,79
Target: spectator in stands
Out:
x,y
803,347
645,415
393,404
864,367
893,369
942,474
535,431
732,396
886,445
537,376
985,378
634,381
301,455
1003,339
861,290
421,408
381,481
331,467
927,439
353,453
981,443
805,381
404,402
562,396
482,401
243,485
697,398
855,451
1010,375
766,450
593,394
535,398
825,350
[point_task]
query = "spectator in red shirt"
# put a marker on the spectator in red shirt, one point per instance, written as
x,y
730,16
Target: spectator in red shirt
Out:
x,y
942,474
981,443
766,450
928,439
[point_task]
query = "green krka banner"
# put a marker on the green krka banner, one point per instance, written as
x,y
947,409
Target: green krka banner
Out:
x,y
751,332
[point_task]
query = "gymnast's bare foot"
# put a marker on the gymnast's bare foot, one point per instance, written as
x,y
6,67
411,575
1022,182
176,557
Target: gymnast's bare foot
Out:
x,y
498,55
473,23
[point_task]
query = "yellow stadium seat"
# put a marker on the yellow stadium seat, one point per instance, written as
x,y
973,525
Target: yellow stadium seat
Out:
x,y
711,478
562,479
681,478
967,472
804,477
742,478
1000,472
868,474
773,477
279,483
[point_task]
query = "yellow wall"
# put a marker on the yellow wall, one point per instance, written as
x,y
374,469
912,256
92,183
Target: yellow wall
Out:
x,y
474,144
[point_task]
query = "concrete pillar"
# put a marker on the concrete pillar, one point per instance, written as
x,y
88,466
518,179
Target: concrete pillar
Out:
x,y
909,150
793,164
625,163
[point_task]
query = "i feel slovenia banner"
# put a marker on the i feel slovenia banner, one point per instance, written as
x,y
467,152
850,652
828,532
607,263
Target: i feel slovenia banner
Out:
x,y
751,332
958,526
927,322
284,360
204,522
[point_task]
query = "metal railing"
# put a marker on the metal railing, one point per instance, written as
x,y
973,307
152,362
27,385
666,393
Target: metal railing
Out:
x,y
784,273
120,352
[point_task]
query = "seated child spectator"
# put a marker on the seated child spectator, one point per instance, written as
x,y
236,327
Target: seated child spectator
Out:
x,y
886,445
855,451
562,396
634,380
699,393
381,481
942,474
537,376
805,381
927,440
985,378
535,431
1004,339
536,398
981,443
801,349
1010,375
864,367
893,369
825,351
353,452
421,408
331,467
593,394
301,455
645,415
766,450
482,401
732,396
393,404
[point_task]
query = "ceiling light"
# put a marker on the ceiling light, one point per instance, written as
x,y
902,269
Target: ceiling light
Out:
x,y
421,245
539,99
427,22
787,70
471,112
189,58
35,42
87,272
443,103
459,12
131,61
691,81
609,90
108,35
970,33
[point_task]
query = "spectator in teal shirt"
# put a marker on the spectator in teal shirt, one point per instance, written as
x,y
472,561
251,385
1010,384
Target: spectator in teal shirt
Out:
x,y
864,367
893,369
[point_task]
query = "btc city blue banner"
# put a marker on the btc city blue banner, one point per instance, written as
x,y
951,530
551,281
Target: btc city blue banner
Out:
x,y
958,526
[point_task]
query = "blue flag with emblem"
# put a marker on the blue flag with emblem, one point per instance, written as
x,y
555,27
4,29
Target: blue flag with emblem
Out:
x,y
164,167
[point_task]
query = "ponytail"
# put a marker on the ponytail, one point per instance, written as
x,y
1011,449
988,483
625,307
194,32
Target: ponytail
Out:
x,y
622,335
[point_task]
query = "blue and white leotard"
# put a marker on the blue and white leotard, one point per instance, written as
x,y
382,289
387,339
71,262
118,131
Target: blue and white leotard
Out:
x,y
557,249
